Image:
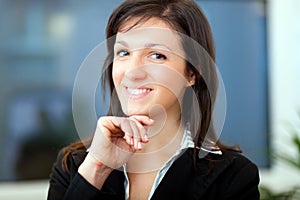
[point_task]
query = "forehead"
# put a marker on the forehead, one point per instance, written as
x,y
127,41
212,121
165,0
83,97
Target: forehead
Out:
x,y
153,30
152,23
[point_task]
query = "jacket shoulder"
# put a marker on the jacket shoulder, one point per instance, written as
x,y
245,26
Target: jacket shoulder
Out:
x,y
238,160
67,163
237,178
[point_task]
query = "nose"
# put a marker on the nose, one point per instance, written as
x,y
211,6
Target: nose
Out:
x,y
134,69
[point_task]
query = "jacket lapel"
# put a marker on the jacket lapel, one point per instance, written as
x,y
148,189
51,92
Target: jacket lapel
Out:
x,y
180,182
183,182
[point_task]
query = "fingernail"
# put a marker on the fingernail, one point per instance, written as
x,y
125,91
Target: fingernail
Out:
x,y
151,120
139,145
131,141
145,137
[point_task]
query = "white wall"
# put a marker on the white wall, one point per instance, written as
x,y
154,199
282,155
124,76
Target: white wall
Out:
x,y
284,68
30,190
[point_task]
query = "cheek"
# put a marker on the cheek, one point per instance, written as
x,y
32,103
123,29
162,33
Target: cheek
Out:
x,y
172,75
180,66
117,74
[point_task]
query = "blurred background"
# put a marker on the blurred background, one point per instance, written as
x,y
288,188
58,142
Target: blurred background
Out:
x,y
43,43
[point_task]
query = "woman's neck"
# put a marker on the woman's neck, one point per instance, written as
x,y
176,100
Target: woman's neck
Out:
x,y
163,135
164,140
168,128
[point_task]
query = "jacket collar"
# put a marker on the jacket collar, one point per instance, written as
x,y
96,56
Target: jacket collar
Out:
x,y
180,177
186,182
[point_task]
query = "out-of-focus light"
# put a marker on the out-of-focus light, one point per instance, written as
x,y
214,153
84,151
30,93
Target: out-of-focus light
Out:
x,y
60,26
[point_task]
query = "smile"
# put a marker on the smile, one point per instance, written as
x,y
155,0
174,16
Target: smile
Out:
x,y
136,93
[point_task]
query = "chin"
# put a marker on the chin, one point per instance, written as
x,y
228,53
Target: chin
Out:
x,y
136,111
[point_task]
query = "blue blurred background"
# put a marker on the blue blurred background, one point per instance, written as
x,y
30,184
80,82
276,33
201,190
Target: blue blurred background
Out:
x,y
43,43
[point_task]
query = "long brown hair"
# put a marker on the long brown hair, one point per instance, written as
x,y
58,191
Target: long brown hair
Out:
x,y
185,17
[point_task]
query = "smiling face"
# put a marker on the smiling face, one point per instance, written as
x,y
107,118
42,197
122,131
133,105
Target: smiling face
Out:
x,y
149,68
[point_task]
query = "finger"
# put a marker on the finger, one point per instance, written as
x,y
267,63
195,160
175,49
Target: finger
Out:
x,y
127,129
128,138
110,126
136,134
134,131
142,131
144,120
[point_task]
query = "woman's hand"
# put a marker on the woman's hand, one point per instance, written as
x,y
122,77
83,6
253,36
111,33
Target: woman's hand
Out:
x,y
115,140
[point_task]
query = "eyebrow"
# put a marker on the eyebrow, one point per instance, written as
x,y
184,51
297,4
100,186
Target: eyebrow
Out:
x,y
122,43
147,45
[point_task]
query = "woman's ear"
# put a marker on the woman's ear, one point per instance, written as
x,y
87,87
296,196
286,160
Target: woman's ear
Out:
x,y
191,80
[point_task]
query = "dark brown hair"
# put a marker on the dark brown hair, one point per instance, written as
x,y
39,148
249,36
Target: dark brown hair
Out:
x,y
185,17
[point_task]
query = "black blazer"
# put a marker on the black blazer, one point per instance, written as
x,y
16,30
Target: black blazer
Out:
x,y
229,176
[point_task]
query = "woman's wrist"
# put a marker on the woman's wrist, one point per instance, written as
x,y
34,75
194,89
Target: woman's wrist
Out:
x,y
94,171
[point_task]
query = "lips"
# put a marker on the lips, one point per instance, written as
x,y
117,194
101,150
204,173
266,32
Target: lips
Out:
x,y
136,93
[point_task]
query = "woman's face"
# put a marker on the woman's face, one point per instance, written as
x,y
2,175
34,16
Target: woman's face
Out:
x,y
149,68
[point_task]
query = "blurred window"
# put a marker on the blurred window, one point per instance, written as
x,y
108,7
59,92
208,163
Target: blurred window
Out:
x,y
43,43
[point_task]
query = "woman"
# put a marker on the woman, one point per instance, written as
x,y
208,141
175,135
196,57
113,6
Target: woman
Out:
x,y
158,139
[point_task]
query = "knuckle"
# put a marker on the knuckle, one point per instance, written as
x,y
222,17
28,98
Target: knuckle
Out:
x,y
100,121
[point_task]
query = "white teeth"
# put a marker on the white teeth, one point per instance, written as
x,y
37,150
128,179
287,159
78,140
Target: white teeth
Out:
x,y
138,91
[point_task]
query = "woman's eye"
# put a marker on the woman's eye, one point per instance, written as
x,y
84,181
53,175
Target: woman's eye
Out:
x,y
122,53
158,56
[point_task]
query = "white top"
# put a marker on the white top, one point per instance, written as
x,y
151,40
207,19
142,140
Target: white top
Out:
x,y
187,142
